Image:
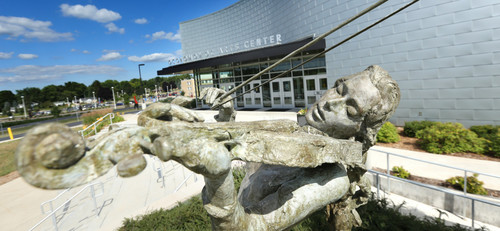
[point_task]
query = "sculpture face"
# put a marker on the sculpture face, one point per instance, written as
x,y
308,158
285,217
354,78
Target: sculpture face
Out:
x,y
341,110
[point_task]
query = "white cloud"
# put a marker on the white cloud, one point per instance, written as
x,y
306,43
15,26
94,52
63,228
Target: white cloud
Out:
x,y
110,56
155,57
15,27
4,55
84,51
33,72
164,35
27,56
113,28
141,21
90,12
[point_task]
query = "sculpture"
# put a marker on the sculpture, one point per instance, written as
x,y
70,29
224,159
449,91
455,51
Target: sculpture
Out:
x,y
295,171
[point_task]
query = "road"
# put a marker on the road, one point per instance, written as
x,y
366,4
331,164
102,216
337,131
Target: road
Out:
x,y
52,120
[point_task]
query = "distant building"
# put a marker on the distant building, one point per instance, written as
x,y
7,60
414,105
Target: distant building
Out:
x,y
188,87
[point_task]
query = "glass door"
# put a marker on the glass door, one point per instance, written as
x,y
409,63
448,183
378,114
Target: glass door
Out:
x,y
253,99
315,87
281,93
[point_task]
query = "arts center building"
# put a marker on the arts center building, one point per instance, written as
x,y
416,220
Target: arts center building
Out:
x,y
444,54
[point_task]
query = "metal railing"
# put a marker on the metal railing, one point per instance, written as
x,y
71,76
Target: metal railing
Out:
x,y
466,171
473,199
96,123
65,205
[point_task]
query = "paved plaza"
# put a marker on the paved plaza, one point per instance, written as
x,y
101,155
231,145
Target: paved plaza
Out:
x,y
106,202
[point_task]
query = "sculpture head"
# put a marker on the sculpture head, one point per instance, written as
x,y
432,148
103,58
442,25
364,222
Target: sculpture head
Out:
x,y
357,106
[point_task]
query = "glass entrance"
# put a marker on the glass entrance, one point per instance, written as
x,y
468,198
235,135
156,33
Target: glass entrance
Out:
x,y
315,87
281,93
253,99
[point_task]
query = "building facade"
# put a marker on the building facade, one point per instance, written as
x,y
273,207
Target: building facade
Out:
x,y
188,87
444,54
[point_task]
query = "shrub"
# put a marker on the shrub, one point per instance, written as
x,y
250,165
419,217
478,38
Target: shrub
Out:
x,y
92,116
492,134
400,172
474,185
411,128
450,138
388,133
189,215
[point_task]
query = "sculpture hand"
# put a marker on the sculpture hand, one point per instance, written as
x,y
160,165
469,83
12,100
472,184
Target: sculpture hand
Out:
x,y
212,97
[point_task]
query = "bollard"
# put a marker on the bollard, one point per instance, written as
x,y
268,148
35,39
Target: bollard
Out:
x,y
10,133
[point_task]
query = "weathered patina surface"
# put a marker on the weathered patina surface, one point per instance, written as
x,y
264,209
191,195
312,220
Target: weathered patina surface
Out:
x,y
293,171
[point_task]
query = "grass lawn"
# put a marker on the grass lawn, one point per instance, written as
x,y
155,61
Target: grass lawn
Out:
x,y
25,129
7,151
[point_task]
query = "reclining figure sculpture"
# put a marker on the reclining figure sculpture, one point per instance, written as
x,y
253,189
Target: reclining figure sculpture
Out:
x,y
293,171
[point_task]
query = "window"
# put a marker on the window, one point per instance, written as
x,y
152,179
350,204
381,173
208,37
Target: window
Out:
x,y
323,84
310,85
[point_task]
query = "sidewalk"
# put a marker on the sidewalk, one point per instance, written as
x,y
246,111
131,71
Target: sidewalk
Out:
x,y
128,197
379,160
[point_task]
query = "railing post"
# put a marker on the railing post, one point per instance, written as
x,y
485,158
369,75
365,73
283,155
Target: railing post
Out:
x,y
92,194
472,213
54,221
388,173
378,186
465,182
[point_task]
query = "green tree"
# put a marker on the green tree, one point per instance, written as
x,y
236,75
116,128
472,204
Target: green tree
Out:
x,y
52,93
55,111
78,89
126,87
7,96
126,99
6,109
31,95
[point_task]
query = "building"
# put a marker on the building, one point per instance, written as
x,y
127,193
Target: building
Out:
x,y
188,87
444,54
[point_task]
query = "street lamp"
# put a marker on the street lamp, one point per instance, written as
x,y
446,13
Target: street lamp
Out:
x,y
95,103
156,89
75,99
24,107
114,101
140,78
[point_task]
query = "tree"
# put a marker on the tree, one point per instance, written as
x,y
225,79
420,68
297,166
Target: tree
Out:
x,y
94,87
126,87
52,93
31,95
105,93
55,111
126,100
7,96
78,89
6,109
110,83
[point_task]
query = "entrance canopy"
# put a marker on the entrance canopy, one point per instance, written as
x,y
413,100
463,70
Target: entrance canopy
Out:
x,y
272,51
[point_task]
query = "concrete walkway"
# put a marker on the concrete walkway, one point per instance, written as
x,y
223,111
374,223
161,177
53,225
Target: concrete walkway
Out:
x,y
119,198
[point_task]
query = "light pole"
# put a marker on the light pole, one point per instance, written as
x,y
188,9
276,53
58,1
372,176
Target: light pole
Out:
x,y
75,100
24,107
67,101
95,103
140,78
114,101
156,89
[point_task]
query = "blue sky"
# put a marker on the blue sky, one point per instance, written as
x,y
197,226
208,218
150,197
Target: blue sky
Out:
x,y
53,42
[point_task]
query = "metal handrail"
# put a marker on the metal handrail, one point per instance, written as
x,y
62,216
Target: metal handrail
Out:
x,y
53,215
437,164
473,199
94,125
50,201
